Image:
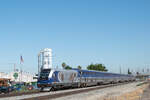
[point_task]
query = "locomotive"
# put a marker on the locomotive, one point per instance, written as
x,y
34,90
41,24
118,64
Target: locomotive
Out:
x,y
60,78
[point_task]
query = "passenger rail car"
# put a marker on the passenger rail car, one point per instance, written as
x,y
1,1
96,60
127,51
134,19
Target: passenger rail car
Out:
x,y
56,78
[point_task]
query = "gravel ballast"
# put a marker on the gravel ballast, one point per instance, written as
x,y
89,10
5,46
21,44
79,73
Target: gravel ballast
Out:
x,y
110,93
90,95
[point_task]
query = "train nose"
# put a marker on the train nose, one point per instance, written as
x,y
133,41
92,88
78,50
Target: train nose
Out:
x,y
44,84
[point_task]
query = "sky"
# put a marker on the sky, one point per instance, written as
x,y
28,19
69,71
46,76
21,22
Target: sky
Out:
x,y
115,33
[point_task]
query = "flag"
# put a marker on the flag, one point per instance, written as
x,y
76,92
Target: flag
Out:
x,y
21,60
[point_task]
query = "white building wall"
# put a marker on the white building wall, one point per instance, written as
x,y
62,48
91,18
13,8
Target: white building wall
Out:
x,y
22,77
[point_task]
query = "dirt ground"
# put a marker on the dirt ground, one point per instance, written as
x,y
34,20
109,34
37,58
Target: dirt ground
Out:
x,y
133,95
131,91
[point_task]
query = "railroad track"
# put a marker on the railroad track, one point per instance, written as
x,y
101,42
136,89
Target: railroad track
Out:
x,y
17,94
36,95
75,91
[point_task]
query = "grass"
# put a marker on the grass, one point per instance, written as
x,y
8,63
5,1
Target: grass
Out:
x,y
142,83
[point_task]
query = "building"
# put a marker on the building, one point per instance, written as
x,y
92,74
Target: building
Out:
x,y
18,76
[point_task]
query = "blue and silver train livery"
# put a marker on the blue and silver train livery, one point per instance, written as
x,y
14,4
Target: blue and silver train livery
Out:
x,y
58,78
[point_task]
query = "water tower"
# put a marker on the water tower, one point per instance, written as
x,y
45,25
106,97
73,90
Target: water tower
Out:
x,y
45,59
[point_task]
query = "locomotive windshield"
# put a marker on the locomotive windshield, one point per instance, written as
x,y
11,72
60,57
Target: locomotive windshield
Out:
x,y
44,74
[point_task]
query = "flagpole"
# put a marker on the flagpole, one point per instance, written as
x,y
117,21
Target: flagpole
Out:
x,y
14,67
21,71
21,64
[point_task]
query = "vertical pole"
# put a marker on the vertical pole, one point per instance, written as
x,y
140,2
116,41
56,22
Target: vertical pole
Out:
x,y
14,67
20,78
42,60
39,63
50,59
21,72
120,69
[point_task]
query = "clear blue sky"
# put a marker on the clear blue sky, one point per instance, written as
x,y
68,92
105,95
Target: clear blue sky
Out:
x,y
80,32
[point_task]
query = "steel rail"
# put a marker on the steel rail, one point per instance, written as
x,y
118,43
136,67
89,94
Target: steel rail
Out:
x,y
57,95
17,94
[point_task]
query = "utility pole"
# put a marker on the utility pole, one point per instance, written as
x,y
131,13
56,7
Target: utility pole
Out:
x,y
14,67
120,70
39,64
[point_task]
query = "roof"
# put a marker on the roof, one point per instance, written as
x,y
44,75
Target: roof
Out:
x,y
1,79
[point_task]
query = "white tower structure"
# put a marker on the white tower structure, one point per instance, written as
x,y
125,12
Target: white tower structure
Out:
x,y
45,59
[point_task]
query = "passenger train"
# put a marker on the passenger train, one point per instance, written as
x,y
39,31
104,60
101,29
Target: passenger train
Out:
x,y
57,78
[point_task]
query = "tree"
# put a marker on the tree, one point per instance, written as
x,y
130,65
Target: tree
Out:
x,y
97,67
79,67
64,65
15,75
68,67
129,71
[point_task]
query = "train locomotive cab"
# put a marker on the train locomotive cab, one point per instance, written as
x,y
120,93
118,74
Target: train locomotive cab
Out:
x,y
44,78
55,79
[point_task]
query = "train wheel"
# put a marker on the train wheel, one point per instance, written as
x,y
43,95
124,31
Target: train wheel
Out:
x,y
50,89
41,90
85,85
53,89
81,85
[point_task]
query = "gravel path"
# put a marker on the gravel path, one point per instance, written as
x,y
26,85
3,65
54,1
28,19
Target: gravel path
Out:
x,y
101,93
39,94
146,94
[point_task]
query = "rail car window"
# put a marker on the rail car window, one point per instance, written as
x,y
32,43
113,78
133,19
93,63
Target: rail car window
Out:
x,y
83,73
54,77
44,74
46,70
80,74
75,74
